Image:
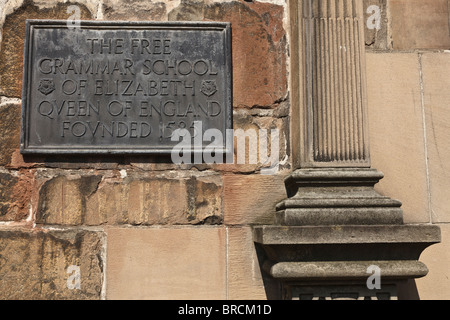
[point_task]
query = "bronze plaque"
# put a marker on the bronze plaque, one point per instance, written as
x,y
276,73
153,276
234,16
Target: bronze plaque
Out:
x,y
123,87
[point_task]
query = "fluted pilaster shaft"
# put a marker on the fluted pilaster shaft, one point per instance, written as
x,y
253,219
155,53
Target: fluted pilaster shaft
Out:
x,y
333,182
333,218
331,86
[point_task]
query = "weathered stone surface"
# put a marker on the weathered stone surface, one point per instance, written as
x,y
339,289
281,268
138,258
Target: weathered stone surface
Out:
x,y
259,51
245,281
13,34
75,162
420,24
91,5
10,156
134,10
7,181
251,199
9,132
17,193
62,200
148,163
259,47
131,200
188,10
338,196
166,263
437,114
396,131
18,161
34,265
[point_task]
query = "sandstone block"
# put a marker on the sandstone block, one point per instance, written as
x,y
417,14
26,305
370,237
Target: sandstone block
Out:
x,y
437,115
18,191
259,51
166,263
251,199
35,265
245,279
396,131
132,200
10,115
420,24
62,200
13,39
135,10
436,285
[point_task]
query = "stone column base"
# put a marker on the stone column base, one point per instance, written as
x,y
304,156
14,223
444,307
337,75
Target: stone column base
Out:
x,y
336,197
335,262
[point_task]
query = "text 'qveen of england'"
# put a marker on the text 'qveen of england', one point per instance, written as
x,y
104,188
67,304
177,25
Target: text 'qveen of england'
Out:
x,y
128,97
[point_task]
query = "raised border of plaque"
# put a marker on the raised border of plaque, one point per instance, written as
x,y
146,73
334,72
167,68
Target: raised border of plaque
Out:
x,y
78,99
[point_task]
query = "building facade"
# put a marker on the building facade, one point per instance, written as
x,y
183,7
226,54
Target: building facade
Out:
x,y
348,90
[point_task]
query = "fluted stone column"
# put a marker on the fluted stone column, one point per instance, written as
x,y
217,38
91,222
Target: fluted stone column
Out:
x,y
334,225
329,121
330,67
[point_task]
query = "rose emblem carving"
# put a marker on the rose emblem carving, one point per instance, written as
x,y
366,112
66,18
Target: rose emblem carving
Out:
x,y
46,86
208,87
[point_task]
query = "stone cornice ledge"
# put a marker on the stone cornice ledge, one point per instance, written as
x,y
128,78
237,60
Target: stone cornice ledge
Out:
x,y
375,234
309,254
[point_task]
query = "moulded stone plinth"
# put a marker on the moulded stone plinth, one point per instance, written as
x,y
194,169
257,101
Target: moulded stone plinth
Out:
x,y
344,196
339,256
345,243
339,235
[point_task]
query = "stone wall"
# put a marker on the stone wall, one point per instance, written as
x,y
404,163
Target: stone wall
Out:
x,y
140,227
407,66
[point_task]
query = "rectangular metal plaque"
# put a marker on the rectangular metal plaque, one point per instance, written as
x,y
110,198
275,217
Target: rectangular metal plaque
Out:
x,y
123,87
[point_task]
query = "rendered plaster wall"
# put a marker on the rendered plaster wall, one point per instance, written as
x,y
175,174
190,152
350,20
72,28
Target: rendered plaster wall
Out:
x,y
145,228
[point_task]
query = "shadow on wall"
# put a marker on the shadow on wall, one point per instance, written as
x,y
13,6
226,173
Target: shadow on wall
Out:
x,y
271,286
408,290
